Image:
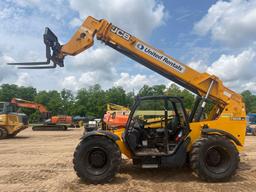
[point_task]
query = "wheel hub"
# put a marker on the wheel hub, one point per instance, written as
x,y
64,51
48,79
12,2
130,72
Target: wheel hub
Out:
x,y
97,158
217,159
213,157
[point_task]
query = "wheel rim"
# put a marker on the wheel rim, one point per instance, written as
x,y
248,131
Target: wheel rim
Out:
x,y
97,161
217,159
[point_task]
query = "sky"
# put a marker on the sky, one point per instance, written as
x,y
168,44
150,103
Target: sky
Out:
x,y
218,37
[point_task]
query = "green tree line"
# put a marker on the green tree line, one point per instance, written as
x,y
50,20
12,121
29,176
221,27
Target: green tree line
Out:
x,y
92,101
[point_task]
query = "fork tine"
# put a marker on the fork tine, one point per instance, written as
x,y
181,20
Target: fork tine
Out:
x,y
39,67
30,63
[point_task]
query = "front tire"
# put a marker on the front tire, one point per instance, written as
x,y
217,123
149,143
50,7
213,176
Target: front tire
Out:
x,y
12,135
97,159
214,158
3,133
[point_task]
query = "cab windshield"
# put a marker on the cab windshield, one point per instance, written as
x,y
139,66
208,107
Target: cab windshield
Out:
x,y
157,113
1,107
7,108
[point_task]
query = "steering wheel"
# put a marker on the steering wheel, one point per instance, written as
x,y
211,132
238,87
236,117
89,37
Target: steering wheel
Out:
x,y
137,123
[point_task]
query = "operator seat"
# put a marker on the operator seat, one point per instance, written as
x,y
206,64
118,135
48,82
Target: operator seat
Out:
x,y
172,126
134,136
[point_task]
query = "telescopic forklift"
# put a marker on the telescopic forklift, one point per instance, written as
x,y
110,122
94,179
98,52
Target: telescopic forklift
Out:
x,y
209,142
50,123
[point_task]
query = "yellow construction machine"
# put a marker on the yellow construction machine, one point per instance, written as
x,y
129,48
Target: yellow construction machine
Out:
x,y
115,116
112,107
211,144
11,122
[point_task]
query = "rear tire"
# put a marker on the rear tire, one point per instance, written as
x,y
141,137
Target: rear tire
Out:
x,y
214,158
97,159
3,133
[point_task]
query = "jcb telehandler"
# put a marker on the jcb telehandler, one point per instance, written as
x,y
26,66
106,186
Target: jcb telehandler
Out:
x,y
210,142
11,122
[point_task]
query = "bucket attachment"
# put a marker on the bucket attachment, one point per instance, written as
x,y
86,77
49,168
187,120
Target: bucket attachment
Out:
x,y
52,54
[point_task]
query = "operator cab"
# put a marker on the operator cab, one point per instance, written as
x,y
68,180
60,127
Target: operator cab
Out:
x,y
156,126
6,107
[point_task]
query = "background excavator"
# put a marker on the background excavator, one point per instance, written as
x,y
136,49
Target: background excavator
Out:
x,y
211,145
11,122
50,123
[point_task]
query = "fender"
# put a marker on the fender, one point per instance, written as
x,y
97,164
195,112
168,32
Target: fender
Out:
x,y
208,131
107,134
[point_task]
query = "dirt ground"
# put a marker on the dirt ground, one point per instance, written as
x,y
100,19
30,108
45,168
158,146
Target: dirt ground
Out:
x,y
42,161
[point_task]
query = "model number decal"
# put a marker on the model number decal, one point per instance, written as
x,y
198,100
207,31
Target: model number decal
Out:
x,y
160,57
120,32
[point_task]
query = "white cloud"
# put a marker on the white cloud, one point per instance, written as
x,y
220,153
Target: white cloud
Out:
x,y
234,67
23,79
6,71
135,82
75,22
198,65
250,86
26,3
230,22
237,71
125,80
69,82
96,65
137,17
95,59
55,9
88,79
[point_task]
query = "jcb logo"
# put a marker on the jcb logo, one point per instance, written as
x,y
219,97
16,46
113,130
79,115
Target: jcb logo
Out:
x,y
120,32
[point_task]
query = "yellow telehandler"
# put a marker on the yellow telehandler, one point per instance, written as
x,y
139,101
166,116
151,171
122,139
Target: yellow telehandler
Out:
x,y
211,144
